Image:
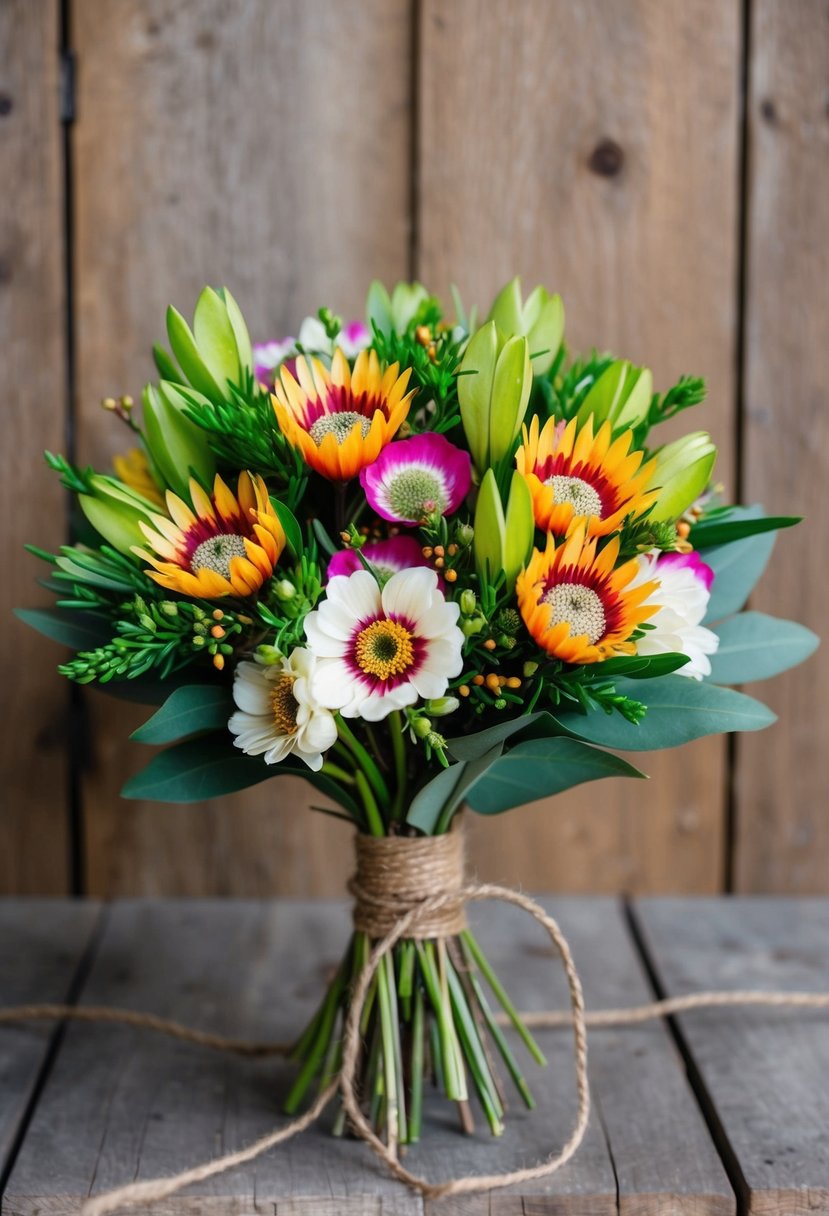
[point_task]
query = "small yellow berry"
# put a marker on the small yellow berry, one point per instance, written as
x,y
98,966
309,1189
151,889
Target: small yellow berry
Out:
x,y
218,615
492,682
427,551
464,690
451,576
219,662
439,551
479,679
439,563
489,644
217,631
452,550
513,682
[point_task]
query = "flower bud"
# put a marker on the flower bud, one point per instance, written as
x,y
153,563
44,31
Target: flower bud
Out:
x,y
267,655
529,669
285,590
441,706
464,534
468,601
469,626
216,352
422,727
540,319
683,471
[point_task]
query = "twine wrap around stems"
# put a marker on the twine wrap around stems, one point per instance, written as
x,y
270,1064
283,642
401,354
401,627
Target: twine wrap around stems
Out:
x,y
397,875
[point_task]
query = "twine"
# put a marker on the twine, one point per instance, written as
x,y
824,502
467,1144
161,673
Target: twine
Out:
x,y
397,875
377,885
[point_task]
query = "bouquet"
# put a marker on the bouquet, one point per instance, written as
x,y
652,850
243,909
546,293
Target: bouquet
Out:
x,y
427,564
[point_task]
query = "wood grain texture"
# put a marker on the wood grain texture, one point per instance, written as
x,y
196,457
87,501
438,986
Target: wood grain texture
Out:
x,y
264,146
122,1105
594,147
33,813
765,1072
781,782
42,943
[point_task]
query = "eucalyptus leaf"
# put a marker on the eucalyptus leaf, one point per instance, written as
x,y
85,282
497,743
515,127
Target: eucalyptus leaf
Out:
x,y
754,646
538,768
442,796
737,568
708,533
473,746
78,630
198,769
188,710
679,709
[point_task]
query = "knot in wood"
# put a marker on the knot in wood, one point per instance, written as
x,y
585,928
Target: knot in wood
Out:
x,y
396,874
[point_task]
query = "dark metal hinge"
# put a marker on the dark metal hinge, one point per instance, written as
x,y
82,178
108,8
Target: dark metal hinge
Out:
x,y
67,86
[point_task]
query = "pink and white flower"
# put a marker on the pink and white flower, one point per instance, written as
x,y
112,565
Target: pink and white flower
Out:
x,y
277,714
387,557
415,478
378,651
268,357
682,595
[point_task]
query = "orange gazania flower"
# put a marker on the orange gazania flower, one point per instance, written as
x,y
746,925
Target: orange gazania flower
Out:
x,y
341,420
573,474
226,545
577,605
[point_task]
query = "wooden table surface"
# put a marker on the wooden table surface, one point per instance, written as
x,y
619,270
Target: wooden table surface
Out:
x,y
720,1111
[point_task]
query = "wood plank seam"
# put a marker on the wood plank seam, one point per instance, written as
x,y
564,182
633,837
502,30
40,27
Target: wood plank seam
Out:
x,y
696,1082
74,992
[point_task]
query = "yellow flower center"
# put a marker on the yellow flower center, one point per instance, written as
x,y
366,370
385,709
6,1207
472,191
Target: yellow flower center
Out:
x,y
384,649
216,553
579,607
340,425
582,497
284,705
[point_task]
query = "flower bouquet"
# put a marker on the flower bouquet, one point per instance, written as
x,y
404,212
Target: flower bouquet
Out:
x,y
425,564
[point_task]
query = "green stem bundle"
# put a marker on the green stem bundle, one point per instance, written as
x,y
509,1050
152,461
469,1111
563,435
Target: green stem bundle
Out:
x,y
427,1018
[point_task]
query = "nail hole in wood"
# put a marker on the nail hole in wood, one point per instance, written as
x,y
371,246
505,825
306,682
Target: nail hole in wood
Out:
x,y
6,105
606,159
768,110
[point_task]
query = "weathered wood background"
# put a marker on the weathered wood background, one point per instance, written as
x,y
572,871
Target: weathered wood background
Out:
x,y
662,163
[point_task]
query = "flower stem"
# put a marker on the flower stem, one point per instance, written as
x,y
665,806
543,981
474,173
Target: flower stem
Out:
x,y
373,816
497,987
337,773
364,760
416,1092
398,745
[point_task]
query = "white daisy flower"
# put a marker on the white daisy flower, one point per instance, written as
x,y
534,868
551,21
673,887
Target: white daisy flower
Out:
x,y
277,712
683,594
378,651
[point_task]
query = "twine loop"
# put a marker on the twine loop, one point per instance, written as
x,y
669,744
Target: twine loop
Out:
x,y
416,878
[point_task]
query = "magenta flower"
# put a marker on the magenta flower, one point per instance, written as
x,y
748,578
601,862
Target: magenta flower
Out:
x,y
386,556
415,478
686,561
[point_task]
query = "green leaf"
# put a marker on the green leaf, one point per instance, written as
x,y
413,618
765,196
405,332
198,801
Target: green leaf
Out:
x,y
200,768
538,768
215,338
290,526
187,711
754,646
442,796
165,365
475,378
642,666
737,567
489,530
378,308
679,709
473,746
723,531
190,360
519,529
240,331
511,386
78,630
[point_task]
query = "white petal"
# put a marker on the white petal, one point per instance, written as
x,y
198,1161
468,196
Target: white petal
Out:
x,y
251,691
375,707
319,733
430,683
356,594
281,748
411,593
334,683
438,620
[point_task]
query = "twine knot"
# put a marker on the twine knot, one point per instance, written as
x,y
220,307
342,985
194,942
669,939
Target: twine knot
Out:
x,y
401,875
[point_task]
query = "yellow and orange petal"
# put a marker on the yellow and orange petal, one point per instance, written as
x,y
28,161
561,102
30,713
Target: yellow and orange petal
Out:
x,y
224,544
577,604
341,420
574,475
133,468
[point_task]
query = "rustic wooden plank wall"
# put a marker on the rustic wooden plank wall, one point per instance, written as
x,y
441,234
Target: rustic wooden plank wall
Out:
x,y
296,149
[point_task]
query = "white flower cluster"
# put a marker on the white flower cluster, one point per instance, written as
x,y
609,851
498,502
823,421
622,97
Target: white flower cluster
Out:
x,y
370,651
